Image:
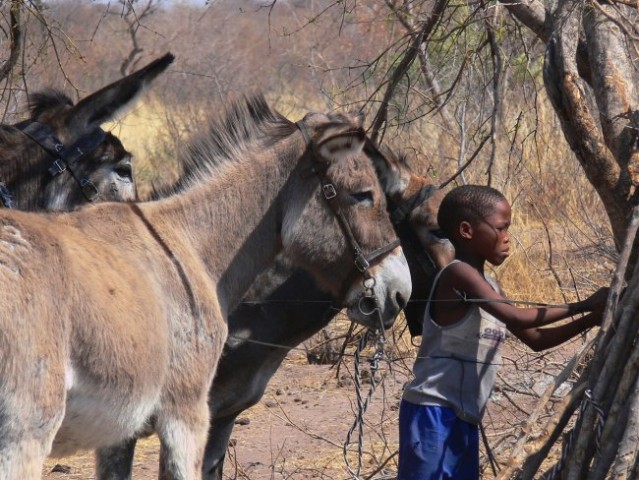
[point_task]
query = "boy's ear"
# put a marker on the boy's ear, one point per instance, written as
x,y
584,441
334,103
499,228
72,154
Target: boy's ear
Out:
x,y
465,230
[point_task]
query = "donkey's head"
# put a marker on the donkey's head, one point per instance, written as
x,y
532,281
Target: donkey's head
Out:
x,y
60,158
413,200
413,204
342,233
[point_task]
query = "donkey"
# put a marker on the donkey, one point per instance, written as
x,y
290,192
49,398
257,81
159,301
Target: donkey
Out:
x,y
113,316
285,307
60,158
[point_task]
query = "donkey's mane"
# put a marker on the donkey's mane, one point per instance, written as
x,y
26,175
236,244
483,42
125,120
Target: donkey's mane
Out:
x,y
248,125
15,160
47,101
43,102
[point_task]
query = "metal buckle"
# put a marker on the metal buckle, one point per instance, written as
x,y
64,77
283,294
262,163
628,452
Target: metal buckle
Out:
x,y
329,191
57,167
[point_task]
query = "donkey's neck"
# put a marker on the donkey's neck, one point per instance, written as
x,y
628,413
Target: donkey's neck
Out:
x,y
232,222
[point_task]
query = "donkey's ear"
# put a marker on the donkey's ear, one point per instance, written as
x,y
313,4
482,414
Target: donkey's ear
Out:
x,y
105,104
339,146
386,166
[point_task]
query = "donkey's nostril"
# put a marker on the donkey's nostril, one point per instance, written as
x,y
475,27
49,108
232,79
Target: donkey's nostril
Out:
x,y
367,305
401,301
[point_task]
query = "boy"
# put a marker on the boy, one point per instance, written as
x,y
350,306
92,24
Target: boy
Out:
x,y
461,340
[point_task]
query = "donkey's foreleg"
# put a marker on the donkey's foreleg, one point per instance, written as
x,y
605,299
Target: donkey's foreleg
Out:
x,y
182,444
219,437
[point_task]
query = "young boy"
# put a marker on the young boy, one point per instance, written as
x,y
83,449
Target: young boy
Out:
x,y
461,340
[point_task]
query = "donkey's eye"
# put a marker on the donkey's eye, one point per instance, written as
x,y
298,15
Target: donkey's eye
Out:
x,y
365,196
125,172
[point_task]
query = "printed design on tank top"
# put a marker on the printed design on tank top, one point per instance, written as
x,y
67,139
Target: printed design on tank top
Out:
x,y
477,337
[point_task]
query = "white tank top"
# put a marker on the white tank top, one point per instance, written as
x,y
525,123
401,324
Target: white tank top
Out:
x,y
457,364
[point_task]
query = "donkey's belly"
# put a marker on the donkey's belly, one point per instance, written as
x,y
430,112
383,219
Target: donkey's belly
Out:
x,y
96,418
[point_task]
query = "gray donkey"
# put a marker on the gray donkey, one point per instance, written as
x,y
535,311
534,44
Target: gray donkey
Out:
x,y
285,306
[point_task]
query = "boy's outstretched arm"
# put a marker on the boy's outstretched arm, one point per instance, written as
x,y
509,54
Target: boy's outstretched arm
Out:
x,y
463,278
542,338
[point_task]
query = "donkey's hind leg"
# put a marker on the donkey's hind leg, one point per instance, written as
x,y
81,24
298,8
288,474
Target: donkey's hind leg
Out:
x,y
31,412
26,436
116,462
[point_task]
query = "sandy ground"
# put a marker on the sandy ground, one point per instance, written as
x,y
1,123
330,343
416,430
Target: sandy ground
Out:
x,y
297,431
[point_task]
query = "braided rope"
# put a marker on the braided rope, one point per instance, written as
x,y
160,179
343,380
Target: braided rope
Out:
x,y
553,474
362,405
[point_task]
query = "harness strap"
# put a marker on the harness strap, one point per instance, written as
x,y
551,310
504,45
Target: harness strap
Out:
x,y
65,158
362,260
399,213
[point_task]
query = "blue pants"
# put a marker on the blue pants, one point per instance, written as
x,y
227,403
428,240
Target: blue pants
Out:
x,y
434,444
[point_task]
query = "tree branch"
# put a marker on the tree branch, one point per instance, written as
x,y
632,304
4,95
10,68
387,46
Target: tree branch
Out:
x,y
401,70
15,46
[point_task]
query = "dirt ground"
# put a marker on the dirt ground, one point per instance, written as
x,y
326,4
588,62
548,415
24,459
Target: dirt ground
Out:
x,y
299,428
296,432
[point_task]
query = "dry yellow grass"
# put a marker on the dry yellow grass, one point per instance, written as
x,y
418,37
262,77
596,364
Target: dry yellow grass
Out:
x,y
558,221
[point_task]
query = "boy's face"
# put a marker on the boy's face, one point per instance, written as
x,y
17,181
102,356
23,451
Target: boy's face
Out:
x,y
490,235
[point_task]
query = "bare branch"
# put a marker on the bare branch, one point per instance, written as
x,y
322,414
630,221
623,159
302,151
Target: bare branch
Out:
x,y
407,60
15,45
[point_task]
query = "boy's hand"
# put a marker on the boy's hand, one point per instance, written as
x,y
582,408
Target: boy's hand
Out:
x,y
597,301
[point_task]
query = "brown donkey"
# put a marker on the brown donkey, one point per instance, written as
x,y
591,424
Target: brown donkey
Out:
x,y
113,317
60,158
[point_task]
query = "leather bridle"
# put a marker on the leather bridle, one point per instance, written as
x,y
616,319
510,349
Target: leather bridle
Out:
x,y
362,260
399,213
65,158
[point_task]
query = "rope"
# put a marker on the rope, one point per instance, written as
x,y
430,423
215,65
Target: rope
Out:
x,y
489,452
553,474
362,404
463,296
357,355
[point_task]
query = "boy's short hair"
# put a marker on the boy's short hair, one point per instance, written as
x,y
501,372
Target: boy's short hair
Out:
x,y
468,203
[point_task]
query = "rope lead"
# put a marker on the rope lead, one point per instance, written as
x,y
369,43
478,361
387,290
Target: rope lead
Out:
x,y
362,405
